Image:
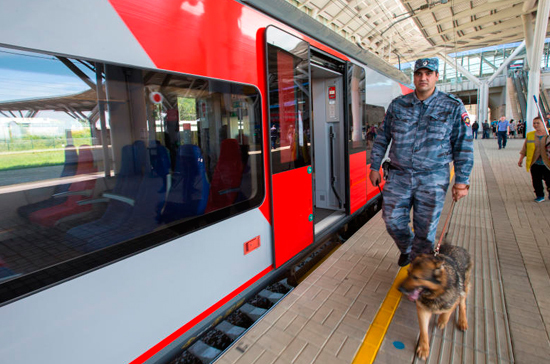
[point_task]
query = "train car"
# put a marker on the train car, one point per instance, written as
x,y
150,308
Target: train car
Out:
x,y
160,160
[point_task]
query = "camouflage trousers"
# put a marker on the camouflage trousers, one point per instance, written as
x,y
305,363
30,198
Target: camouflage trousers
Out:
x,y
424,193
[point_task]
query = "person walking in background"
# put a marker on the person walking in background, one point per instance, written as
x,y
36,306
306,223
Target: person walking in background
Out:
x,y
534,148
486,128
512,129
425,131
519,129
475,127
503,128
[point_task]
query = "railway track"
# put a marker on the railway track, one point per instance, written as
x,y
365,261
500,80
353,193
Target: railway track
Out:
x,y
214,341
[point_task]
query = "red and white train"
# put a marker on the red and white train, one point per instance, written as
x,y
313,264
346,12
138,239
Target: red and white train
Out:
x,y
160,159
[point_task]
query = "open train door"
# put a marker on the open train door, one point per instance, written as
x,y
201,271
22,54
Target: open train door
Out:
x,y
288,77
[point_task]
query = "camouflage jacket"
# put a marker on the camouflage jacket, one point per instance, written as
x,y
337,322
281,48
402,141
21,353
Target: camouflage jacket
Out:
x,y
426,135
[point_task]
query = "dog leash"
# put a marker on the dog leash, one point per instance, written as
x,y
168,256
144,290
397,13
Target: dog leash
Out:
x,y
386,165
386,171
436,251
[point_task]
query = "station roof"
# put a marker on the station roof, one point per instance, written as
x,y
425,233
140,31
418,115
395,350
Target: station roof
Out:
x,y
414,29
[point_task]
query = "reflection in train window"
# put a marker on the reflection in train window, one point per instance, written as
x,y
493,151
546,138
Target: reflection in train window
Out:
x,y
289,107
374,116
358,127
94,156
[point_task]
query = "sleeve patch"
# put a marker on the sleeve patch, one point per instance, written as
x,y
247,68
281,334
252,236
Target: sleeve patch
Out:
x,y
466,119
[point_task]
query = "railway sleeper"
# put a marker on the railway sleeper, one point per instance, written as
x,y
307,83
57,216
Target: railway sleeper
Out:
x,y
273,297
253,312
230,330
233,326
204,352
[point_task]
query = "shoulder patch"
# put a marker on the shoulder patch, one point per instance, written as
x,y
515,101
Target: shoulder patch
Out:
x,y
466,119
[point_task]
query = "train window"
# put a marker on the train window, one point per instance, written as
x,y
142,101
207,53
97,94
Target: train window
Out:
x,y
289,100
99,161
374,115
359,129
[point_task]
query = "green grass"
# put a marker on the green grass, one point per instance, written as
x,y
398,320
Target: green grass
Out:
x,y
35,152
31,159
18,145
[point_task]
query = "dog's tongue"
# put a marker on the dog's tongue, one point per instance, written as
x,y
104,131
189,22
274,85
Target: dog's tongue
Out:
x,y
414,295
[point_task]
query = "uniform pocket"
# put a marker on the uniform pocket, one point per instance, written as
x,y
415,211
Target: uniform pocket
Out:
x,y
402,124
400,130
438,126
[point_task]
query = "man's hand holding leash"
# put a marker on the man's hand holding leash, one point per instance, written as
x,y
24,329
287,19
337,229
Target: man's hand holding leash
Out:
x,y
460,190
375,177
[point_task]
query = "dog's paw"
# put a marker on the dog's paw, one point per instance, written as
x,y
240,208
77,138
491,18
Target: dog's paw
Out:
x,y
423,350
462,324
442,322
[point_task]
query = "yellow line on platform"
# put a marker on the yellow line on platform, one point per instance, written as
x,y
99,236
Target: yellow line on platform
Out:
x,y
377,330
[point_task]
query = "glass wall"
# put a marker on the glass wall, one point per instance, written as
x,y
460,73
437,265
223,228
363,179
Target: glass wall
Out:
x,y
482,62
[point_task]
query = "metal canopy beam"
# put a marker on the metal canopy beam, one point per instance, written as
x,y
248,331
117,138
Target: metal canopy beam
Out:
x,y
506,62
472,11
488,62
70,65
422,28
453,62
486,20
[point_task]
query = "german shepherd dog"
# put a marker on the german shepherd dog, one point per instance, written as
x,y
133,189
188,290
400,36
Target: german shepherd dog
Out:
x,y
438,284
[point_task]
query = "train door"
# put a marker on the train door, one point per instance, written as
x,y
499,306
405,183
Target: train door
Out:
x,y
288,76
327,88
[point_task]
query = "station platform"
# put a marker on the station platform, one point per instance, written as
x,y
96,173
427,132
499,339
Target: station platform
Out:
x,y
349,311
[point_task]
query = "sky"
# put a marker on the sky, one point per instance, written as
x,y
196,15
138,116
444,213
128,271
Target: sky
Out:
x,y
25,75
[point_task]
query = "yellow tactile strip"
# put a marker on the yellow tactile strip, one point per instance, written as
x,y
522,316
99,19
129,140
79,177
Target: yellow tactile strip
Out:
x,y
374,337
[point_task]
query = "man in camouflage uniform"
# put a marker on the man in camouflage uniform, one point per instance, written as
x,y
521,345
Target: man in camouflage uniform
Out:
x,y
427,129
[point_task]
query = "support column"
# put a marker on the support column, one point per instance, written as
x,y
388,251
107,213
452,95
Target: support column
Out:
x,y
483,102
533,87
528,27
